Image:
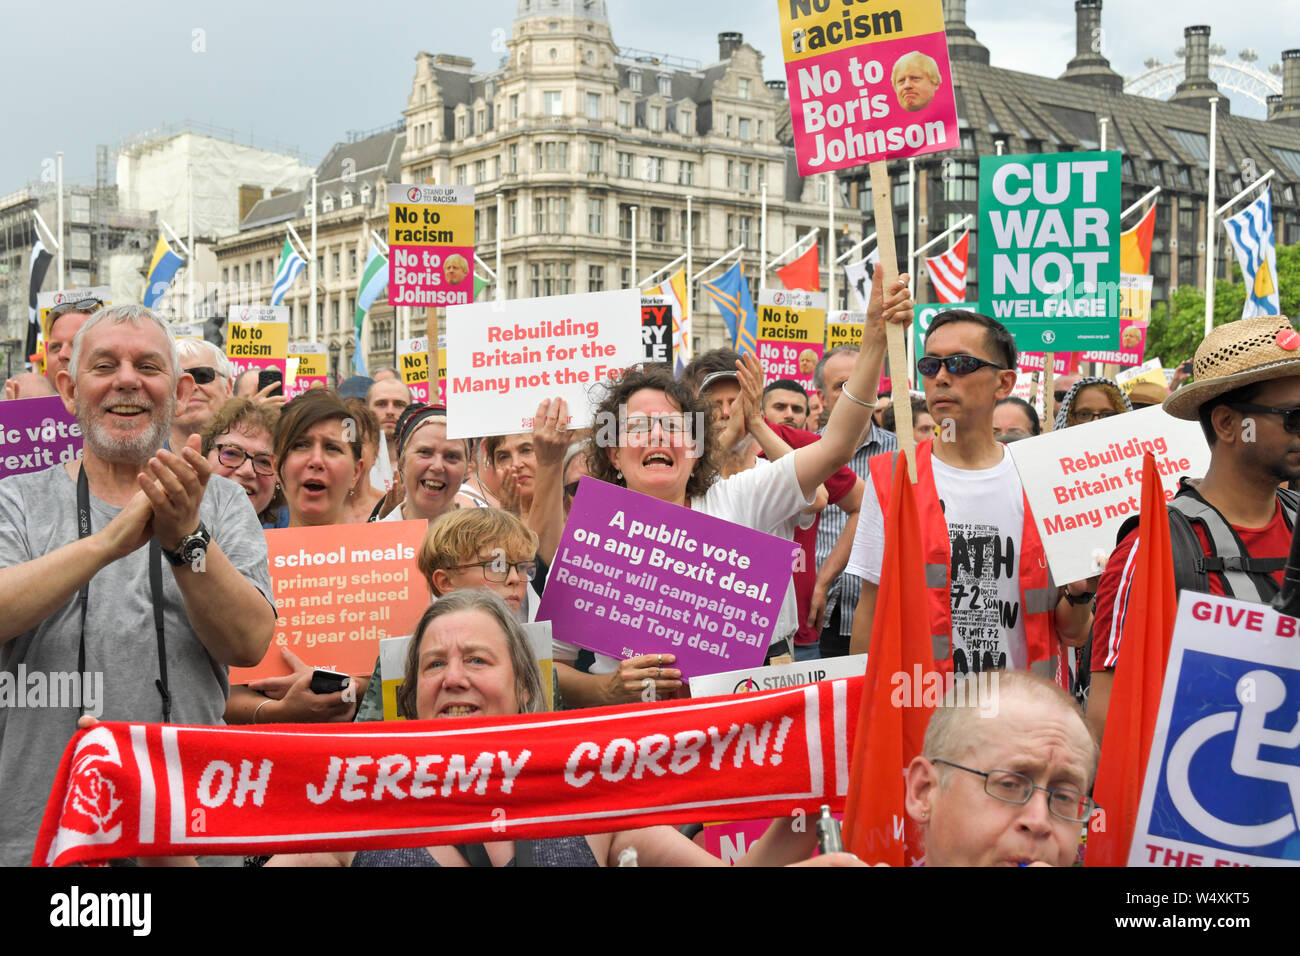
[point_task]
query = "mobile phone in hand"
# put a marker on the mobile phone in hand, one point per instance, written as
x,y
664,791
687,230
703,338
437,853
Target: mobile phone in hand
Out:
x,y
270,376
328,682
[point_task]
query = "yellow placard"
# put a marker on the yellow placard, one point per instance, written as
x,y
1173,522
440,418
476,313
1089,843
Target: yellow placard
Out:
x,y
259,340
813,27
422,224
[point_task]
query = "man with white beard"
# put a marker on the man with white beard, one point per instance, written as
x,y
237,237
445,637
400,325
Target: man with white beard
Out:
x,y
134,564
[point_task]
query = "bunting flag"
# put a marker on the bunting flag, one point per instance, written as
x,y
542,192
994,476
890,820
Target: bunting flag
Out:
x,y
948,271
803,273
859,275
162,269
1251,232
374,280
675,290
1146,626
127,790
1135,245
892,718
731,293
40,264
291,263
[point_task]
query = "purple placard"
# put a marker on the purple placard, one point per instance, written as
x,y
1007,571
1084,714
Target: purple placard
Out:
x,y
635,575
36,433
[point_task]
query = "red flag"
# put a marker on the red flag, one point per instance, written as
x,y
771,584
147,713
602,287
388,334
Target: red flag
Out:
x,y
948,271
1146,628
1135,245
803,273
892,718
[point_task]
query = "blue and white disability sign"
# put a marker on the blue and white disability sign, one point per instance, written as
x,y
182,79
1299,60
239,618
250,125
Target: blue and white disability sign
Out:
x,y
1223,781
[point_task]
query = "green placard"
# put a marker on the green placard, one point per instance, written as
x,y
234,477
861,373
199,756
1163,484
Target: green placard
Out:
x,y
1049,248
922,313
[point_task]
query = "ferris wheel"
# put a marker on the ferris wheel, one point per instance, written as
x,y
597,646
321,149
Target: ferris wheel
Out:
x,y
1240,76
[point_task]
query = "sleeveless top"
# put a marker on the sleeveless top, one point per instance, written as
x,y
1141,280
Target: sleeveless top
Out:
x,y
560,851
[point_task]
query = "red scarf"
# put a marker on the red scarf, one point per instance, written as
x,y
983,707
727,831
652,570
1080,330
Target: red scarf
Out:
x,y
126,790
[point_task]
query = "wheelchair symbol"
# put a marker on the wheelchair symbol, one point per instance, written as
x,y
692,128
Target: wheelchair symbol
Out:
x,y
1260,693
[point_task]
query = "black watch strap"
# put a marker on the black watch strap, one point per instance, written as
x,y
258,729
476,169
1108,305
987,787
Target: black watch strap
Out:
x,y
197,541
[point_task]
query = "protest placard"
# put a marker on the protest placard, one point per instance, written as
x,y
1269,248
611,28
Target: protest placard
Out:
x,y
1083,482
844,328
866,85
185,330
1134,318
657,328
312,367
46,301
1025,389
1063,363
1152,371
392,665
413,363
339,591
431,245
258,337
747,680
35,434
1222,785
791,329
1049,248
504,358
923,314
635,575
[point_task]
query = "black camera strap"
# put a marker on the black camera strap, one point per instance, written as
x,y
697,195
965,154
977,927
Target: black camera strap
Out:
x,y
155,589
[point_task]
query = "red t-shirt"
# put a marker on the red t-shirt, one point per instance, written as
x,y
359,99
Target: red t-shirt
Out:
x,y
837,486
1271,541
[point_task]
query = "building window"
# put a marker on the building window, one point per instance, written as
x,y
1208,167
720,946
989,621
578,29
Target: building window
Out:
x,y
624,113
514,106
624,221
654,169
345,199
634,81
462,126
512,158
327,203
552,155
593,106
626,273
693,236
480,170
731,174
625,165
596,217
551,214
665,85
512,282
656,118
731,126
225,276
685,122
822,193
658,225
352,262
512,217
480,120
961,182
685,173
746,127
552,102
595,278
595,157
461,175
336,270
740,231
552,278
336,307
742,88
365,193
746,176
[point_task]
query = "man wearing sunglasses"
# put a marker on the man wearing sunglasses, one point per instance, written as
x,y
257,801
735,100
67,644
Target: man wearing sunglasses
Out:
x,y
211,372
992,603
61,325
1246,395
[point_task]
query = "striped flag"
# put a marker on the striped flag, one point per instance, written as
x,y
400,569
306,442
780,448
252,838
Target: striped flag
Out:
x,y
948,271
40,263
1251,232
162,269
675,290
374,280
1135,245
731,294
290,265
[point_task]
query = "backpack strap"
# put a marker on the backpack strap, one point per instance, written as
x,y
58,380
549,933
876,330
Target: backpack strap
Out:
x,y
1243,577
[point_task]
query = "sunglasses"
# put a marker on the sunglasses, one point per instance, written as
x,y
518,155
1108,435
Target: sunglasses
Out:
x,y
202,374
928,365
89,306
1290,416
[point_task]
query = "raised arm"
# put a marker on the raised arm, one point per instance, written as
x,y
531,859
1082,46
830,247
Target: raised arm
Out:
x,y
550,441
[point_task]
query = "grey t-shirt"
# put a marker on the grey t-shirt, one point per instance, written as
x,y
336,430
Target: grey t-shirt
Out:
x,y
38,514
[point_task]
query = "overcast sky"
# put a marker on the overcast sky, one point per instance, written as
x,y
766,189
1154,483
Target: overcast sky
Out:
x,y
304,73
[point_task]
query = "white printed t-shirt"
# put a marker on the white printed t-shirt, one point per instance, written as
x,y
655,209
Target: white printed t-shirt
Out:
x,y
985,512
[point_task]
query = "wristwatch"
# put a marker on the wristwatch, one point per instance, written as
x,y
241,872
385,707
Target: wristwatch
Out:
x,y
192,547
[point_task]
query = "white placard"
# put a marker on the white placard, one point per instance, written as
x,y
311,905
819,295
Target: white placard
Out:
x,y
504,358
1084,482
754,679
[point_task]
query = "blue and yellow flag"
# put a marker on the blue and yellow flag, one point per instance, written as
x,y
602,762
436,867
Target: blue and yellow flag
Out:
x,y
731,293
162,269
1251,231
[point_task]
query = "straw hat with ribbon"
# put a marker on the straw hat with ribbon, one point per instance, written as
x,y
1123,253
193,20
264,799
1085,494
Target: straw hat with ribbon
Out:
x,y
1236,354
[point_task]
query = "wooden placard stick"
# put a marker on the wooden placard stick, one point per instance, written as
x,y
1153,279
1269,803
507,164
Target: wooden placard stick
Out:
x,y
432,322
1049,388
896,336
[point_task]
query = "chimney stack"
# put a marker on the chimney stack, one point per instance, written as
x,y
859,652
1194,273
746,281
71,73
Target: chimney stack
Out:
x,y
1197,87
962,44
727,44
1286,108
1089,66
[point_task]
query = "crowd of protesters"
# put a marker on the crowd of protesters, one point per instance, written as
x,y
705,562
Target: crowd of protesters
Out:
x,y
187,462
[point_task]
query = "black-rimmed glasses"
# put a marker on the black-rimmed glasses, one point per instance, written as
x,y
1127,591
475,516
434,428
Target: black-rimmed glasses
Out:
x,y
1011,787
928,365
233,457
1290,416
498,572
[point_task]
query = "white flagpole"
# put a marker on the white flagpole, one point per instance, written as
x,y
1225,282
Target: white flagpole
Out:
x,y
911,217
500,294
690,285
831,302
1237,198
665,269
1151,194
762,229
1103,122
301,247
189,233
1210,216
311,270
58,211
633,243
